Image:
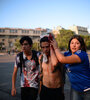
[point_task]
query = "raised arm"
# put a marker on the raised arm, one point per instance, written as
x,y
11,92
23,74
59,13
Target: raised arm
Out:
x,y
53,57
63,59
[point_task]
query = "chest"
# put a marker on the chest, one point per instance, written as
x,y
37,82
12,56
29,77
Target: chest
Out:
x,y
47,67
30,65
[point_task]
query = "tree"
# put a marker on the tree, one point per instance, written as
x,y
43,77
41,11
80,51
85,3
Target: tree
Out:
x,y
17,45
36,46
87,41
63,38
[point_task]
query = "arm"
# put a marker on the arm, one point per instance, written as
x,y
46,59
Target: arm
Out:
x,y
65,59
54,60
13,91
41,73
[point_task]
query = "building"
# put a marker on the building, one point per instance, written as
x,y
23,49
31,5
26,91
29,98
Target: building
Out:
x,y
57,30
8,36
79,30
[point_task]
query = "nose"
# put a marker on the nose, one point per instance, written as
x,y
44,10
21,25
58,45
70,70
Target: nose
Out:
x,y
74,44
23,46
45,48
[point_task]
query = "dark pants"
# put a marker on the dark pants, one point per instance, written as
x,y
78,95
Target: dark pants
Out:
x,y
51,93
28,93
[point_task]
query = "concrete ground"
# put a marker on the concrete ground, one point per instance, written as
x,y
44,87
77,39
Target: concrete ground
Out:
x,y
6,69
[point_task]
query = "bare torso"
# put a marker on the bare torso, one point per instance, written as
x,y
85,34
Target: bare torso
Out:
x,y
51,79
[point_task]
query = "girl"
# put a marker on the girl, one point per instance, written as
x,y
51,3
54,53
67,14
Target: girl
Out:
x,y
77,64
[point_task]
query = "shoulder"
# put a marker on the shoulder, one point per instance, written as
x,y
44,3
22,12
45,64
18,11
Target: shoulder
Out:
x,y
80,52
18,56
67,53
20,53
40,56
36,53
82,55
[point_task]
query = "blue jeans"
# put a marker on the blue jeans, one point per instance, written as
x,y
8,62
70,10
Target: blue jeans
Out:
x,y
75,95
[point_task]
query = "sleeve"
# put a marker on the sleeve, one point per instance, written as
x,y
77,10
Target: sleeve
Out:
x,y
17,61
66,53
80,54
38,54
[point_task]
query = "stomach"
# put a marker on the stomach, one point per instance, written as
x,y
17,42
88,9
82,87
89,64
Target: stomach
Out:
x,y
52,81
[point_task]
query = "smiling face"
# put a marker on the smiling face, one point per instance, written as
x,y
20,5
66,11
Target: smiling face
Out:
x,y
75,45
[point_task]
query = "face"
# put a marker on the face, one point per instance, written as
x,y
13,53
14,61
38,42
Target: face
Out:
x,y
74,45
45,46
26,47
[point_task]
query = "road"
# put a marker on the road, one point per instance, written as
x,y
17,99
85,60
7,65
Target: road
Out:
x,y
6,70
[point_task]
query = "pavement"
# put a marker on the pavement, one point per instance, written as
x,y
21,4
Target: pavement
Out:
x,y
6,70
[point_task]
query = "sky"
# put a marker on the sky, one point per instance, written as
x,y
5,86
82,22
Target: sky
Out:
x,y
44,13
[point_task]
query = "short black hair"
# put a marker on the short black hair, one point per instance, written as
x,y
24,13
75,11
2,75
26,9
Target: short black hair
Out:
x,y
44,39
27,38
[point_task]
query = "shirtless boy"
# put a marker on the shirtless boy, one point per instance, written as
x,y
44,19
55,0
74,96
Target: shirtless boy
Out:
x,y
51,73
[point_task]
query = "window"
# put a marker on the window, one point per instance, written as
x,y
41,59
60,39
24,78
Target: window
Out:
x,y
33,31
25,31
12,36
3,39
38,32
2,30
13,31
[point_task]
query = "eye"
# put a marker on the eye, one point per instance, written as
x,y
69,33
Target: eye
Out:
x,y
44,46
72,42
25,44
78,43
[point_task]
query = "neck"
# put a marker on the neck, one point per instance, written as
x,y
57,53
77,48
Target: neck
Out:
x,y
28,53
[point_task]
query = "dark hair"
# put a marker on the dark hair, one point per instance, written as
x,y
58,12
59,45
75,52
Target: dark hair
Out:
x,y
44,39
80,39
27,38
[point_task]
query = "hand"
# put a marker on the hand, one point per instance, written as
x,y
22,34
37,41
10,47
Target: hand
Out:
x,y
13,92
54,44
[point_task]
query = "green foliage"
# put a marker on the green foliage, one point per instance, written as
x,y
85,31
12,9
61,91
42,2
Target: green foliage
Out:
x,y
63,38
87,41
36,46
65,35
17,45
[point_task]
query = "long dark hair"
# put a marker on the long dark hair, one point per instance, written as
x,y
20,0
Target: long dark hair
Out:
x,y
80,39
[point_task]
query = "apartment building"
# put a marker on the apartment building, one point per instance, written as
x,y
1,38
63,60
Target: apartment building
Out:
x,y
8,36
79,30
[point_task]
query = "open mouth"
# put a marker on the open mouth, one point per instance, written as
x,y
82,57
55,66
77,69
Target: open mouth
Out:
x,y
73,48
